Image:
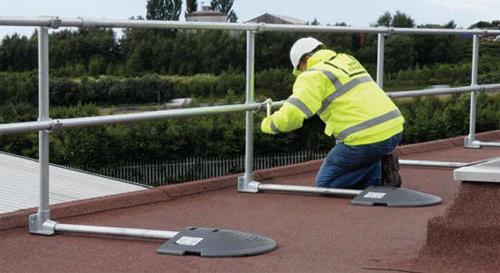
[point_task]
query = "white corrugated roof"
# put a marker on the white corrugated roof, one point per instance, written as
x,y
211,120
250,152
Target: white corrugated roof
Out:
x,y
290,19
19,184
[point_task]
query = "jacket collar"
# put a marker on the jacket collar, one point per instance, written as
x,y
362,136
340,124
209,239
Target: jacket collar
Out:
x,y
318,57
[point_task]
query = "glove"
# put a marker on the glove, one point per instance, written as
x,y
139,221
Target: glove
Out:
x,y
266,125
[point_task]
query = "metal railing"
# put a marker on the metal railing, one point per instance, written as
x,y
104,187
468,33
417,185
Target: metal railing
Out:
x,y
40,223
164,172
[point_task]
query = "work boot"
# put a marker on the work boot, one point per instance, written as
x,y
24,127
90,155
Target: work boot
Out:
x,y
390,171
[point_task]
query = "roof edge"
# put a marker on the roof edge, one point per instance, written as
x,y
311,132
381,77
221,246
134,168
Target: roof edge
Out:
x,y
443,143
169,192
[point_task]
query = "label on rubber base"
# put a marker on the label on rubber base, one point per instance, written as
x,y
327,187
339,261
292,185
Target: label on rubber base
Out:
x,y
374,195
189,241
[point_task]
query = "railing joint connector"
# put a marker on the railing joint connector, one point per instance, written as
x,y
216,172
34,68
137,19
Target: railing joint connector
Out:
x,y
86,24
55,22
55,125
261,27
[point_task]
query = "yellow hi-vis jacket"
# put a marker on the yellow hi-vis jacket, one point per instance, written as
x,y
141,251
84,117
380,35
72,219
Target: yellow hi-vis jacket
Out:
x,y
337,87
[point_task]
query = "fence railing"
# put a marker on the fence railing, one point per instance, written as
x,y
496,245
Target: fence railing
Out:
x,y
40,223
157,173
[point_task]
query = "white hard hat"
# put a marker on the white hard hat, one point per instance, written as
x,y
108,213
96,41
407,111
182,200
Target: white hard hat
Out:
x,y
301,47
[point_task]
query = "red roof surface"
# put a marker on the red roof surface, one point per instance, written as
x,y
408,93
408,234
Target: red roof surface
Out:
x,y
314,233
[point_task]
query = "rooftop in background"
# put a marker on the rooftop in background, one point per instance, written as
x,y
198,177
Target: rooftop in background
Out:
x,y
19,184
206,14
314,233
276,19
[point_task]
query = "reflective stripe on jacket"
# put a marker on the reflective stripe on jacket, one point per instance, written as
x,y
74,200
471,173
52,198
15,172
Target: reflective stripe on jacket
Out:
x,y
338,89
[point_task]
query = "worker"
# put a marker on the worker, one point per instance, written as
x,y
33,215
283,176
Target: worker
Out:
x,y
366,124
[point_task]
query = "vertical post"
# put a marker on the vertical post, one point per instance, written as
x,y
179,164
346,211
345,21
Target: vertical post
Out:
x,y
249,99
380,60
38,220
470,141
246,183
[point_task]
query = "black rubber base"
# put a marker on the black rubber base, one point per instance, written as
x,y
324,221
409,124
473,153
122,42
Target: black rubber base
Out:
x,y
394,197
211,242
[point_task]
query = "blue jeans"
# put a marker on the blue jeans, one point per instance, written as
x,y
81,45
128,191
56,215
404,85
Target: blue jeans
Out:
x,y
355,167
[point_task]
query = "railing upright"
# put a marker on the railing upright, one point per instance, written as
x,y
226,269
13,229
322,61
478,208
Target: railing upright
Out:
x,y
249,100
470,141
38,220
380,60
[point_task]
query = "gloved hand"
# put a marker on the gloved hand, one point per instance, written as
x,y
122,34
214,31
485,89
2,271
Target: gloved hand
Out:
x,y
265,126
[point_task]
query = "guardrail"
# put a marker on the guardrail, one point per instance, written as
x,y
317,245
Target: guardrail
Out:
x,y
40,223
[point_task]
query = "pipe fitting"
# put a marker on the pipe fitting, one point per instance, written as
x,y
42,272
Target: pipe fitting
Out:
x,y
85,23
260,27
55,22
55,124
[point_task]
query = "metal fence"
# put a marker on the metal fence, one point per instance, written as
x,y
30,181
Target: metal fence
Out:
x,y
157,173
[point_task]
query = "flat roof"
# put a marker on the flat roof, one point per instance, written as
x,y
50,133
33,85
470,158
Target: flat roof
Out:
x,y
314,233
19,184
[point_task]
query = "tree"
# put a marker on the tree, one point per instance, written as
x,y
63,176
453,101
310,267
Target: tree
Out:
x,y
384,20
315,22
401,19
173,9
163,10
191,6
226,7
155,9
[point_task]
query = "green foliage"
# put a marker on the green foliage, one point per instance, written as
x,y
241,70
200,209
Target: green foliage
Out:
x,y
223,135
226,7
90,68
384,20
163,9
191,6
401,19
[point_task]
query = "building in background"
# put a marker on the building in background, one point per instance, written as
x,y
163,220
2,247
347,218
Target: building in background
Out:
x,y
206,14
276,19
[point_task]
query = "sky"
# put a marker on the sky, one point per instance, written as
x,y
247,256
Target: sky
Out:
x,y
353,12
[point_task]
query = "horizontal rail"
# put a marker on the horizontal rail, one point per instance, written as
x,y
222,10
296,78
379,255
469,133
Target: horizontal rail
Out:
x,y
489,144
430,163
116,231
55,22
308,189
54,124
125,118
443,91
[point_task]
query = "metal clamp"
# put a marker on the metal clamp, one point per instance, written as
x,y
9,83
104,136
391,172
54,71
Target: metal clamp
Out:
x,y
261,27
56,124
41,225
245,185
269,105
55,23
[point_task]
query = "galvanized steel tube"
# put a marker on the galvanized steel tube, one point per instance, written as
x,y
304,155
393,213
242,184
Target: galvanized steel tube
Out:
x,y
473,95
307,189
249,100
116,231
490,144
120,23
124,118
430,163
43,115
444,91
380,60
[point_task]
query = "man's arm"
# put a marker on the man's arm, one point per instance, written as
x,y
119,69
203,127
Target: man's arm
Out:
x,y
302,104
